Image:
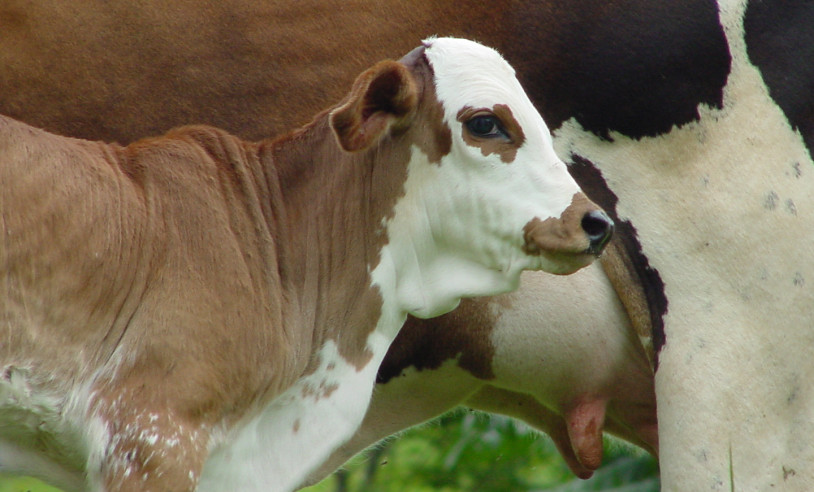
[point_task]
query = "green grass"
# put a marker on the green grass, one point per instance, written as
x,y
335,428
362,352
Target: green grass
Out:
x,y
9,483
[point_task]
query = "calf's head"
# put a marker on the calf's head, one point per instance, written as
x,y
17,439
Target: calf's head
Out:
x,y
484,196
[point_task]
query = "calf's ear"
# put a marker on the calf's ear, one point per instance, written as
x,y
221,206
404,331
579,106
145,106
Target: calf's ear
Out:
x,y
384,96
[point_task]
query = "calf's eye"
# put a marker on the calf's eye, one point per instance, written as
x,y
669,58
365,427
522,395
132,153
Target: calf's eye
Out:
x,y
486,126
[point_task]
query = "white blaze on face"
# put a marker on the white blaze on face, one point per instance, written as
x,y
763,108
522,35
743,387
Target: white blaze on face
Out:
x,y
459,229
502,196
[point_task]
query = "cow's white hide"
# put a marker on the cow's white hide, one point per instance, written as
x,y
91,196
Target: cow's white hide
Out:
x,y
724,209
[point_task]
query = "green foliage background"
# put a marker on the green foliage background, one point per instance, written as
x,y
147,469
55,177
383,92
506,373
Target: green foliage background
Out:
x,y
472,451
467,451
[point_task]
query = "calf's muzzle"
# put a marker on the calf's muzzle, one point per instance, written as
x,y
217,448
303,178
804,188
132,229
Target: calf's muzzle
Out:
x,y
572,240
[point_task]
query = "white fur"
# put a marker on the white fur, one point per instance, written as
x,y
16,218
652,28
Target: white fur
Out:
x,y
473,199
724,210
562,333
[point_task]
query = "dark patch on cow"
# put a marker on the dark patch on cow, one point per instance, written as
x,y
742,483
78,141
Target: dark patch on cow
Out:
x,y
780,42
795,172
426,344
791,208
770,202
593,183
633,67
799,280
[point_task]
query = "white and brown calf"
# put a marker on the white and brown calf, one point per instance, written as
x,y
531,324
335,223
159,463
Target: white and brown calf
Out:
x,y
198,312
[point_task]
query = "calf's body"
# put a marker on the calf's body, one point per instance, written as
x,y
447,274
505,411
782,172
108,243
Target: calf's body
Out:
x,y
194,311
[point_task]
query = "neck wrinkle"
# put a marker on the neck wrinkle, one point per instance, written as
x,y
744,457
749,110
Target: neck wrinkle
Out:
x,y
327,211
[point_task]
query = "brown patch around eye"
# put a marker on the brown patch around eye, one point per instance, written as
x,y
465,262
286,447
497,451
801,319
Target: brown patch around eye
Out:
x,y
505,148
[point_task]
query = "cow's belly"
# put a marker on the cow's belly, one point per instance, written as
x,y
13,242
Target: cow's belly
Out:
x,y
723,209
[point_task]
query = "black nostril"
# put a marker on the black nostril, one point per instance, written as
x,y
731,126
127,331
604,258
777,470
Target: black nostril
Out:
x,y
599,228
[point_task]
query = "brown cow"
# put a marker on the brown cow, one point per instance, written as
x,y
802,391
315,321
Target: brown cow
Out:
x,y
194,311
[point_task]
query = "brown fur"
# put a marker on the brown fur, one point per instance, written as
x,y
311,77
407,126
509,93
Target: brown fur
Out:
x,y
547,237
195,273
622,275
231,64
